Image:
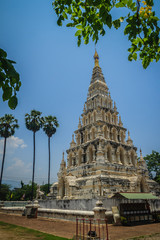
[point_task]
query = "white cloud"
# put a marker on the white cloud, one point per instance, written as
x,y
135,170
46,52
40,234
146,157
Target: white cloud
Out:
x,y
17,163
23,145
18,168
12,143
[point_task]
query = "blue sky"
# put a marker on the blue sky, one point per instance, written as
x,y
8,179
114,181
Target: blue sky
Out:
x,y
55,76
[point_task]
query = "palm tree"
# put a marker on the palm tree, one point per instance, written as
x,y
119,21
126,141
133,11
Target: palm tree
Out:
x,y
49,127
8,124
33,123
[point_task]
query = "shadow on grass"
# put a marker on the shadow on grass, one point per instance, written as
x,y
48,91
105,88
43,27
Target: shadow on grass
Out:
x,y
27,232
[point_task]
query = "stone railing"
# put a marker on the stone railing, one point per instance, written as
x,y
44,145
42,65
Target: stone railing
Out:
x,y
57,213
64,214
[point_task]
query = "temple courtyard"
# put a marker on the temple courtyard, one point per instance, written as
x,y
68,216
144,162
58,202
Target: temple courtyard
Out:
x,y
67,229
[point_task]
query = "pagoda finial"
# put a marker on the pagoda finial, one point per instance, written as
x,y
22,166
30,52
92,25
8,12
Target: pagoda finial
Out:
x,y
63,157
129,138
141,157
63,163
96,59
115,108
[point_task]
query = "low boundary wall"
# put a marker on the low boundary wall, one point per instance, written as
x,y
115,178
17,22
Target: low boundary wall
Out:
x,y
56,213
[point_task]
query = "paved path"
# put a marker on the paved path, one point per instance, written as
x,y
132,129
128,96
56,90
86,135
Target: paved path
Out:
x,y
64,228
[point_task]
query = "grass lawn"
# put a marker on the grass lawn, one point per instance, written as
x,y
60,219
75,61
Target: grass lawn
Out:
x,y
14,232
154,236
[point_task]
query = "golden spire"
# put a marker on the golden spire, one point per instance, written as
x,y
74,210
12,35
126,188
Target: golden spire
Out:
x,y
96,59
141,157
63,164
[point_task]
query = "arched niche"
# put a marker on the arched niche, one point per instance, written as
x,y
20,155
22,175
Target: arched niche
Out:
x,y
91,152
103,116
90,155
105,132
133,160
121,155
61,188
85,136
114,131
122,136
101,102
93,133
142,185
109,117
80,151
109,153
70,156
94,116
89,118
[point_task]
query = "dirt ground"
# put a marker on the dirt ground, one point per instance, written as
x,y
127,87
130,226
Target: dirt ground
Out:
x,y
64,228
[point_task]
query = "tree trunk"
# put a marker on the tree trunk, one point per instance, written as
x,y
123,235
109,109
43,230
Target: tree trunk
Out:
x,y
4,152
49,164
33,165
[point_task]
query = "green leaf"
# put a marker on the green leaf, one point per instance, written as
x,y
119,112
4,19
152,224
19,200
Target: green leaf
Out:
x,y
69,25
12,103
116,23
59,21
134,56
129,3
130,57
119,5
7,93
78,33
3,53
102,32
109,20
149,2
102,10
79,26
2,77
64,15
146,61
127,29
79,40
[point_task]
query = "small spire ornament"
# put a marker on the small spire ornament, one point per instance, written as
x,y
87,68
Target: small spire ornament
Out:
x,y
63,163
72,144
115,108
79,124
129,140
96,59
120,121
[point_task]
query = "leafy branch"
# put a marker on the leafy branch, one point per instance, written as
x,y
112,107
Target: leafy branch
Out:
x,y
9,80
93,17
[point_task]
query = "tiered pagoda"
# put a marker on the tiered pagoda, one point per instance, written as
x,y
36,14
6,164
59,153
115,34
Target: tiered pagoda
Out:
x,y
100,161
